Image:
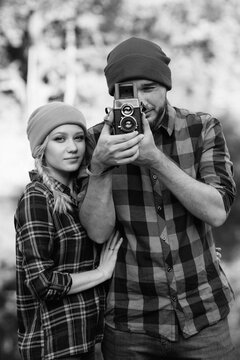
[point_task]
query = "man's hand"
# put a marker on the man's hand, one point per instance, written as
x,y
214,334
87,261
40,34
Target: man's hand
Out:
x,y
148,151
114,150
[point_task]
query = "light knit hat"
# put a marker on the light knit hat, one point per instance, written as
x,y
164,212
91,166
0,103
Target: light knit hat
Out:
x,y
137,58
47,117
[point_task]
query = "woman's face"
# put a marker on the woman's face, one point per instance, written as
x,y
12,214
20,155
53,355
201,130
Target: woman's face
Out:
x,y
65,151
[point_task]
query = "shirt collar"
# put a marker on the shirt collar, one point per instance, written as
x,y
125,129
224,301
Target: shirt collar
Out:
x,y
34,176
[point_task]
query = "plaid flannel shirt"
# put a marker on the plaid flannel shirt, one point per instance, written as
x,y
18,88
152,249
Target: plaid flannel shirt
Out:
x,y
167,276
49,246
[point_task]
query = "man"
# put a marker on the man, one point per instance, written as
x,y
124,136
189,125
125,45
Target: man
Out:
x,y
165,190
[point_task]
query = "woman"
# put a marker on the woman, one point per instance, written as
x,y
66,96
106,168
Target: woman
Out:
x,y
60,291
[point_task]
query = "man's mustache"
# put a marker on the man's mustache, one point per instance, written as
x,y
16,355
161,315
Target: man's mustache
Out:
x,y
145,108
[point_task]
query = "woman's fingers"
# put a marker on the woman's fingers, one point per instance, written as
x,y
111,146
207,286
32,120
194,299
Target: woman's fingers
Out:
x,y
113,239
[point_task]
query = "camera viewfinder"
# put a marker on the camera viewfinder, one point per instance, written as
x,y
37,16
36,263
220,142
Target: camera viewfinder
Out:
x,y
126,91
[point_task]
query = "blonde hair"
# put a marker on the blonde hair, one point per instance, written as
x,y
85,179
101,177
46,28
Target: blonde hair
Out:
x,y
62,201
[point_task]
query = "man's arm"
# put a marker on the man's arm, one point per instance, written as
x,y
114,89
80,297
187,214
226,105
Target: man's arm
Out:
x,y
97,212
202,200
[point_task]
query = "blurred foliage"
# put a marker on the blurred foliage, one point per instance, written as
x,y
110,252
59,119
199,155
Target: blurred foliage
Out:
x,y
8,323
57,50
200,37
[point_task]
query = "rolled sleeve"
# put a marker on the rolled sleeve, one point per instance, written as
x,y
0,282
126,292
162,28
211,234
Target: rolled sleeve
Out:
x,y
216,168
35,239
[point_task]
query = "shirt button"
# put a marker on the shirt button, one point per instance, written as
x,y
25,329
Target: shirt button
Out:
x,y
163,237
169,269
159,208
174,298
154,177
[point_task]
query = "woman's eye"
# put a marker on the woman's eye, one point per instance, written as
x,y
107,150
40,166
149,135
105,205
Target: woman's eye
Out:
x,y
79,137
59,139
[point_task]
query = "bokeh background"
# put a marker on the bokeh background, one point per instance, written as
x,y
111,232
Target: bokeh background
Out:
x,y
56,50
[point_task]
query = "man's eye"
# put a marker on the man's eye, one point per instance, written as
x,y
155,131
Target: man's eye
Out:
x,y
149,88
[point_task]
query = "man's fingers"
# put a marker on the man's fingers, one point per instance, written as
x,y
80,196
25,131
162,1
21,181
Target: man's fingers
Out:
x,y
127,159
122,146
127,153
123,138
121,141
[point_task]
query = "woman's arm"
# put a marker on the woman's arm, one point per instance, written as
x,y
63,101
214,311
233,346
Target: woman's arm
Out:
x,y
89,279
35,235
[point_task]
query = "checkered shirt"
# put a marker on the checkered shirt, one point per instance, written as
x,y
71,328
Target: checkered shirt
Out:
x,y
49,246
167,278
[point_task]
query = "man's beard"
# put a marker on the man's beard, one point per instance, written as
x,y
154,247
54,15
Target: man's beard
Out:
x,y
157,121
155,124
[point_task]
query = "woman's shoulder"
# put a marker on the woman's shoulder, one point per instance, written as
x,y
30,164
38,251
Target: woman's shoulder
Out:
x,y
36,201
35,192
36,187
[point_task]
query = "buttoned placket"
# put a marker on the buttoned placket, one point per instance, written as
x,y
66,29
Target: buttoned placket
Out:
x,y
166,251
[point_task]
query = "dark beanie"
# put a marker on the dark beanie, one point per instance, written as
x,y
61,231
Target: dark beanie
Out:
x,y
47,117
137,58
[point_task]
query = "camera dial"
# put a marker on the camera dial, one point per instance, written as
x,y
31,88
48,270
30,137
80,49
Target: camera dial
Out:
x,y
127,109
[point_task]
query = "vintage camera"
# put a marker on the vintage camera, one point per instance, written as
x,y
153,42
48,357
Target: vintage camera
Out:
x,y
126,109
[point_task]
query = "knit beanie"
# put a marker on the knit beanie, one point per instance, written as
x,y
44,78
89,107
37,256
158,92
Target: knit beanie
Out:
x,y
137,58
47,117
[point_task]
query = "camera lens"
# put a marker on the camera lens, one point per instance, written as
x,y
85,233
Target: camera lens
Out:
x,y
127,109
128,124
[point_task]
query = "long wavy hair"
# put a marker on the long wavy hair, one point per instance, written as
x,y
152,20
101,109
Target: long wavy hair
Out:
x,y
62,201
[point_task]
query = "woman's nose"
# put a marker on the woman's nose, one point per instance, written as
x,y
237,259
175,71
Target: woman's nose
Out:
x,y
71,146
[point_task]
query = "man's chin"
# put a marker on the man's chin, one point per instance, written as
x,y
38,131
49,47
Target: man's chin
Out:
x,y
150,116
155,119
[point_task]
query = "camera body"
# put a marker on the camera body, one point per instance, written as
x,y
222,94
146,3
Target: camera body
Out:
x,y
126,109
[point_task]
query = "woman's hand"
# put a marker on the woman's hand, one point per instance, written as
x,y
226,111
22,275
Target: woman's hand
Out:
x,y
219,253
109,253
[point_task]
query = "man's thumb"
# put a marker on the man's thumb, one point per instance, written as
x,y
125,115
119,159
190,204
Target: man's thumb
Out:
x,y
106,128
146,125
108,122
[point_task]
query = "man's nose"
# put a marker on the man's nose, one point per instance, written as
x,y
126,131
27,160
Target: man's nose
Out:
x,y
141,98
